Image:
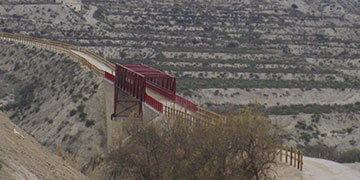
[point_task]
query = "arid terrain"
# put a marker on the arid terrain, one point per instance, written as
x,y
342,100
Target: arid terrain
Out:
x,y
298,59
53,99
22,157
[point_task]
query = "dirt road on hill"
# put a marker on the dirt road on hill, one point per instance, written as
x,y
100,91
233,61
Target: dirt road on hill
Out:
x,y
318,169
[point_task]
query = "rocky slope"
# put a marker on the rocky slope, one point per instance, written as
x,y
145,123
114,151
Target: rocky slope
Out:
x,y
53,99
22,157
299,59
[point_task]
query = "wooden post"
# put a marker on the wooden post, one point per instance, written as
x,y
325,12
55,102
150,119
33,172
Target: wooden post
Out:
x,y
281,148
186,116
291,155
286,155
173,112
302,161
299,159
295,151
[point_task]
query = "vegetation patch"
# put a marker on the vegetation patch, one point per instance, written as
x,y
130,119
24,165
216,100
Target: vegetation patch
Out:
x,y
313,109
24,98
201,83
223,151
89,123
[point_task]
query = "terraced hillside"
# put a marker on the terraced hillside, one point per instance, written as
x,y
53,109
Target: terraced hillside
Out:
x,y
299,59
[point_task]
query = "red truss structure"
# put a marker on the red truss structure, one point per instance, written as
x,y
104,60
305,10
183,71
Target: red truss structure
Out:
x,y
132,80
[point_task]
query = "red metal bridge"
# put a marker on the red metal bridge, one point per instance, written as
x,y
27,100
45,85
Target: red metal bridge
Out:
x,y
135,84
145,85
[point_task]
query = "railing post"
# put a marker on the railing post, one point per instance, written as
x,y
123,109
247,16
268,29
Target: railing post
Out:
x,y
291,155
286,155
302,161
281,148
295,152
299,159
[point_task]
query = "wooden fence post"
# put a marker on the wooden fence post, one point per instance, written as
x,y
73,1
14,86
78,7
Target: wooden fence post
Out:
x,y
302,161
295,151
299,159
286,155
281,149
291,155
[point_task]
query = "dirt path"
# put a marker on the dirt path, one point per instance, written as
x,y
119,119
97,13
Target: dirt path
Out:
x,y
23,158
89,16
318,169
93,61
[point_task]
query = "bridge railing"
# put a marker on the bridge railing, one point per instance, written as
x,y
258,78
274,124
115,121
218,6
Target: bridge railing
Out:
x,y
153,103
109,77
87,63
186,103
66,48
292,156
209,114
164,92
189,119
98,58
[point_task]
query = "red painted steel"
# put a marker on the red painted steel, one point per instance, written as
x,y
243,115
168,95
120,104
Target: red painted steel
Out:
x,y
132,78
109,77
130,82
159,81
186,103
154,103
166,93
135,78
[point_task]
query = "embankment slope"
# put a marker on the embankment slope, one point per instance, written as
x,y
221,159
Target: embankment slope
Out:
x,y
22,157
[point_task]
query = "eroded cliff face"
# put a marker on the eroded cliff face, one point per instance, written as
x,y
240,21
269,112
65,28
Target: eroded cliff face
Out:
x,y
54,99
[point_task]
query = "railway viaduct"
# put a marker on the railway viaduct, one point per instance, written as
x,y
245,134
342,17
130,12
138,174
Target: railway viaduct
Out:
x,y
128,88
138,88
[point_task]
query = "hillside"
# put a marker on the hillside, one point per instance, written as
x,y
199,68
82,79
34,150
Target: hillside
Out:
x,y
54,99
298,59
25,158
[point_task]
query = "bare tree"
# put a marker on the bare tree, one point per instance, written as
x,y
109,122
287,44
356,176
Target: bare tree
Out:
x,y
241,147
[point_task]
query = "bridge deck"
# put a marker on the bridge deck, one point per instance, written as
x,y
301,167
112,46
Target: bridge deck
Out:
x,y
150,92
165,101
94,62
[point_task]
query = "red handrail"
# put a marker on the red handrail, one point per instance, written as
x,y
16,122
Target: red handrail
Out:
x,y
154,103
109,77
186,103
165,92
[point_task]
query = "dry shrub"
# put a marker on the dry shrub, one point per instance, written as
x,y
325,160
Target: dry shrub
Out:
x,y
241,147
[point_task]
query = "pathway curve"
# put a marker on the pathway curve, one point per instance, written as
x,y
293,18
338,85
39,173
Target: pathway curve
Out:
x,y
321,169
89,16
93,61
317,169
